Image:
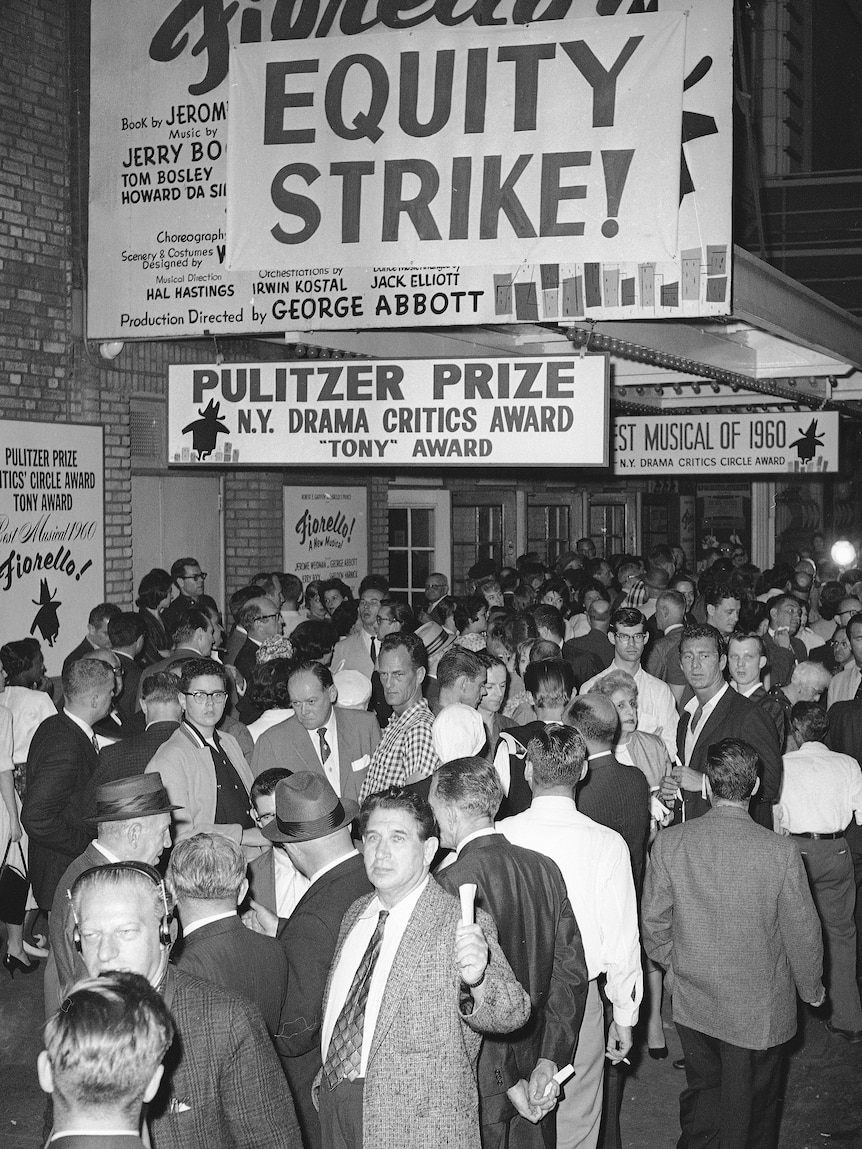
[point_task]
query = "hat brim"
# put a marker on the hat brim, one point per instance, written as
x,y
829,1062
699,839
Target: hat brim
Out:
x,y
310,831
129,816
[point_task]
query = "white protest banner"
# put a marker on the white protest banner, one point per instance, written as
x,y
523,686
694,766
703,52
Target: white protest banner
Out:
x,y
495,412
498,147
159,115
326,533
796,443
52,541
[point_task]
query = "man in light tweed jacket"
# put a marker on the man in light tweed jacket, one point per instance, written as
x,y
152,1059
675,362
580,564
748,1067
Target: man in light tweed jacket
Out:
x,y
727,911
404,1076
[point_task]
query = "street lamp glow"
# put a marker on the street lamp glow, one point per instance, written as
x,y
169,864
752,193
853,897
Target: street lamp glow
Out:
x,y
843,553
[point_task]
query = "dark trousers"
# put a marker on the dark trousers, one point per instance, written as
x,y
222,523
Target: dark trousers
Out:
x,y
731,1097
341,1114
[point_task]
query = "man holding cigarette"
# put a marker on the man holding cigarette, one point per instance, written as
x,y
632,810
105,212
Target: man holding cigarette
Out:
x,y
524,893
411,991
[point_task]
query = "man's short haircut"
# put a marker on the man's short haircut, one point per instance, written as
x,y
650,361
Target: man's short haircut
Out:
x,y
104,612
811,720
718,592
120,877
703,631
152,588
402,612
268,585
126,628
291,588
747,636
412,643
208,867
322,673
547,617
731,766
313,639
627,616
599,609
595,716
467,609
780,600
854,620
626,570
557,755
458,663
661,553
400,798
812,674
202,668
543,648
491,661
188,624
550,681
160,686
266,782
472,785
683,578
374,582
85,676
610,683
252,611
673,601
239,598
178,567
106,1041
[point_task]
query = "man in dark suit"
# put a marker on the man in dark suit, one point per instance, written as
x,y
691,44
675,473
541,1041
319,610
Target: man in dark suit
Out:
x,y
223,1084
313,827
193,637
103,1060
783,648
127,633
718,712
206,877
62,759
617,796
96,637
161,708
190,580
261,619
728,913
746,661
321,736
525,894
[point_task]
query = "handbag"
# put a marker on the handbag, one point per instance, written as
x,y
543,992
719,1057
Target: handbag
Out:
x,y
13,889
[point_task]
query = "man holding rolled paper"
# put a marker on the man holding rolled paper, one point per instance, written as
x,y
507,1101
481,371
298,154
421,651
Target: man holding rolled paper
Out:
x,y
524,893
410,993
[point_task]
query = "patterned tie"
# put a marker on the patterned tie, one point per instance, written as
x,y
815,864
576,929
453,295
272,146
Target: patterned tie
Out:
x,y
857,697
344,1057
325,750
95,742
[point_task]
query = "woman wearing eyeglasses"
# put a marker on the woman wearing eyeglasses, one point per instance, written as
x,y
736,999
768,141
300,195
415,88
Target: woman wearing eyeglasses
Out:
x,y
203,769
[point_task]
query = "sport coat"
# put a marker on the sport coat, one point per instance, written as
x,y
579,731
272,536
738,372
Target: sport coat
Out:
x,y
83,647
525,894
594,642
127,703
584,663
728,913
420,1083
519,797
351,653
248,964
60,764
223,1085
68,965
736,717
289,744
309,937
178,655
245,662
780,661
126,758
617,796
775,710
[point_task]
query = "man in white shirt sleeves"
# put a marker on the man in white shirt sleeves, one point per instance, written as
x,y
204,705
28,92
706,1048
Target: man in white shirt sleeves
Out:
x,y
594,861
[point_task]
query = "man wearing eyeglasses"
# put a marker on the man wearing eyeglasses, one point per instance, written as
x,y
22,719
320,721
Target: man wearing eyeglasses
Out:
x,y
203,764
190,581
657,712
261,619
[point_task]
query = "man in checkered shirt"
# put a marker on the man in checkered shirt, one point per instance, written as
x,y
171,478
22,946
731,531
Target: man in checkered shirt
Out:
x,y
406,751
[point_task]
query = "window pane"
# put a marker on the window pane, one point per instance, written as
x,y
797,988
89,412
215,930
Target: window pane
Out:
x,y
398,527
398,569
421,524
421,568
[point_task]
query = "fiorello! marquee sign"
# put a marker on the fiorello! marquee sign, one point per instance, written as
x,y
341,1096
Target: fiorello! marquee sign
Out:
x,y
768,443
498,412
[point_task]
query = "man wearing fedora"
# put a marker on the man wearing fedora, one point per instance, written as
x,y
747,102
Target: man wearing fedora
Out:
x,y
133,820
320,736
406,749
312,826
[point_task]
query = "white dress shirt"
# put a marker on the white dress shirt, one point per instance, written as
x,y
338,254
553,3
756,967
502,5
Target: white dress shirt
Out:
x,y
290,884
595,864
354,947
657,713
190,929
691,736
821,791
844,685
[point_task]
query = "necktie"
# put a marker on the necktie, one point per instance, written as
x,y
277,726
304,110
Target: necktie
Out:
x,y
325,749
95,742
344,1057
696,717
374,651
857,697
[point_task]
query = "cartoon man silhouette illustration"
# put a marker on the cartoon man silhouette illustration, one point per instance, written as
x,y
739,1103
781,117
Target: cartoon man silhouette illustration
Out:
x,y
46,617
808,442
206,429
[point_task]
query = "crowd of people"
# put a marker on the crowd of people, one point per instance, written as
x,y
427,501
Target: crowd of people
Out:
x,y
358,871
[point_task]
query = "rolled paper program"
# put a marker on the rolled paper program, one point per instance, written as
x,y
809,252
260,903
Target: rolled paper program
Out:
x,y
468,898
561,1077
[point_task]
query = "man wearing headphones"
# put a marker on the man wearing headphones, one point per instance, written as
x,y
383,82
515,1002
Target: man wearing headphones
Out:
x,y
224,1085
